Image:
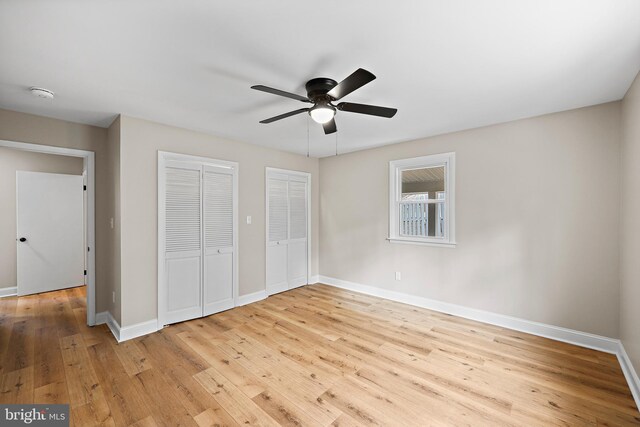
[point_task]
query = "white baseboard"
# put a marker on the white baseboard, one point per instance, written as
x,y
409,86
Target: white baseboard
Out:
x,y
8,292
106,317
138,330
570,336
314,279
583,339
630,374
102,317
251,298
128,332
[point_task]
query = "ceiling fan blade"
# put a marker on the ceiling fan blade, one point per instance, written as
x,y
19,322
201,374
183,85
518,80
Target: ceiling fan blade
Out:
x,y
284,116
330,127
372,110
280,92
359,78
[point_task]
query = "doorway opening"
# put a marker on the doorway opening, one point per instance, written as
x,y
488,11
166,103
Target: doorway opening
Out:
x,y
31,181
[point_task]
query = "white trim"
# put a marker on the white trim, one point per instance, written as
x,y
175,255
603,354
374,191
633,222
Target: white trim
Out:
x,y
9,291
630,374
314,279
251,298
570,336
163,157
307,175
448,160
102,317
105,317
138,330
128,332
405,241
90,220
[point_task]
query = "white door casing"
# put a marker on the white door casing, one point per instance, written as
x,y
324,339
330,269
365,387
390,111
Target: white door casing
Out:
x,y
88,163
50,217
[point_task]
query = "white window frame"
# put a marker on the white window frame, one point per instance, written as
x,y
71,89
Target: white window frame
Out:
x,y
396,167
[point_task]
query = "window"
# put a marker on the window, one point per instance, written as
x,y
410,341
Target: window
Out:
x,y
421,202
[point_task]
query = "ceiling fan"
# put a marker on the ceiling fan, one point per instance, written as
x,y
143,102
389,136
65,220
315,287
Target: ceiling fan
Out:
x,y
322,92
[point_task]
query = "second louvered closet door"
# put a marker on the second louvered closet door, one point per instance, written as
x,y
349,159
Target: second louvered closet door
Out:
x,y
218,206
287,227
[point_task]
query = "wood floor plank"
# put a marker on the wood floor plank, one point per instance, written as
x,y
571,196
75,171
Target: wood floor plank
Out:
x,y
131,357
16,386
240,406
48,366
315,355
52,393
124,402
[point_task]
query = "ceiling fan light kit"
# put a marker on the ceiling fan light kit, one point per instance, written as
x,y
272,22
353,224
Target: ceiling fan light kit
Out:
x,y
322,92
322,113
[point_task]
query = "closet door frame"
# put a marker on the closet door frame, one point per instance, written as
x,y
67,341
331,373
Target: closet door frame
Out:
x,y
163,158
307,175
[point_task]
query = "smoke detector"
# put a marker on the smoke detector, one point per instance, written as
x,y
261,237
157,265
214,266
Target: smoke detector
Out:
x,y
41,92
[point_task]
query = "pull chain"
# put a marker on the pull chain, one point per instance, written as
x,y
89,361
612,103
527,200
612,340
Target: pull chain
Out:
x,y
336,143
308,143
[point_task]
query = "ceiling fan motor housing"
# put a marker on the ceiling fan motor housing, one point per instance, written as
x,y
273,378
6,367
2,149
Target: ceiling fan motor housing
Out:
x,y
317,88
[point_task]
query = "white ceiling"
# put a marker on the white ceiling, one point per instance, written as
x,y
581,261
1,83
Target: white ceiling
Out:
x,y
446,65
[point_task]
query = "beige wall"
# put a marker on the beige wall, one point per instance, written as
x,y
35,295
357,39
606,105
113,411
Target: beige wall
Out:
x,y
630,225
12,161
22,127
542,245
139,145
113,248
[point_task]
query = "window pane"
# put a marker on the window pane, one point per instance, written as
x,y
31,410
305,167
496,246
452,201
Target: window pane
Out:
x,y
422,219
423,183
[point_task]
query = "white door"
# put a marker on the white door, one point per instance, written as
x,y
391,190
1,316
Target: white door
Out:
x,y
197,237
287,226
219,214
50,231
297,246
277,232
183,254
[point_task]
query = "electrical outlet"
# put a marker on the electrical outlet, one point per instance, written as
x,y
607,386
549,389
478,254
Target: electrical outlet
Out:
x,y
398,275
249,219
113,296
111,222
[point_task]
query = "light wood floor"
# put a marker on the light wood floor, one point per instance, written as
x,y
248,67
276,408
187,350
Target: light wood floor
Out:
x,y
312,356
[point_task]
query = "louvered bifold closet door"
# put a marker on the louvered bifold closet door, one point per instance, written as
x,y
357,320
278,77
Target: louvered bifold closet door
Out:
x,y
183,242
277,232
219,213
297,245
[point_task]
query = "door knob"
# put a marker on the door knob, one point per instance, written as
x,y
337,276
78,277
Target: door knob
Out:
x,y
23,239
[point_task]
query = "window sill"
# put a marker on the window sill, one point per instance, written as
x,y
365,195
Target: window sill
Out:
x,y
422,242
